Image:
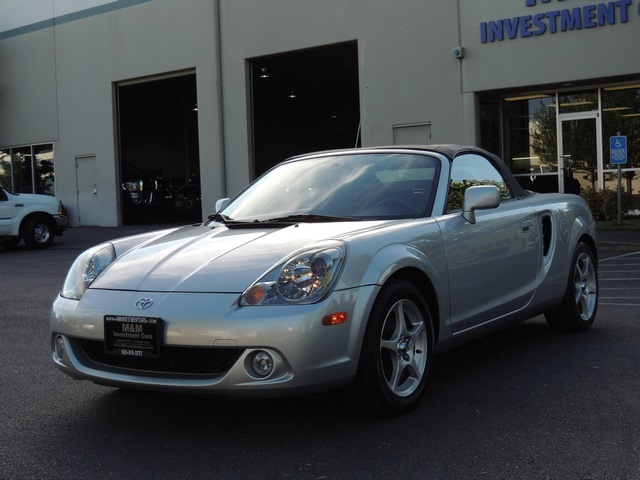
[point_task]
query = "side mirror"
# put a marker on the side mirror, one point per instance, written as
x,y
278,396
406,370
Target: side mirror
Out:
x,y
481,197
221,203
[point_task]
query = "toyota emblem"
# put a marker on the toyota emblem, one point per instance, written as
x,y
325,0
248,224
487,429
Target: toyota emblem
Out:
x,y
144,303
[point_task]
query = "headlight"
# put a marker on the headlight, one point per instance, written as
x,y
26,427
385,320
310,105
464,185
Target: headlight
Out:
x,y
133,186
86,269
301,279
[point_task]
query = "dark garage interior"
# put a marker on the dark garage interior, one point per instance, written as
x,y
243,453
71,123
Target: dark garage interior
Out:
x,y
304,101
159,157
301,102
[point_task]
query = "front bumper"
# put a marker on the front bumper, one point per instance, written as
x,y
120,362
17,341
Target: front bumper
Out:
x,y
307,356
61,224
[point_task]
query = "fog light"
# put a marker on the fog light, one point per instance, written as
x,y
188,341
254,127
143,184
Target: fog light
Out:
x,y
262,363
60,350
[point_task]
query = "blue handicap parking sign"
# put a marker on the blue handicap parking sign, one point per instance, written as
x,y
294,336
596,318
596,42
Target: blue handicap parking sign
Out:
x,y
618,149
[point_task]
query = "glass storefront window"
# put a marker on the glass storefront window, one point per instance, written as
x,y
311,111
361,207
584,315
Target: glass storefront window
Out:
x,y
580,154
621,116
5,169
530,139
43,166
530,127
22,170
578,102
630,183
28,169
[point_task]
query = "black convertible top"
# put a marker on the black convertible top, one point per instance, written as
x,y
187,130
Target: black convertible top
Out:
x,y
450,151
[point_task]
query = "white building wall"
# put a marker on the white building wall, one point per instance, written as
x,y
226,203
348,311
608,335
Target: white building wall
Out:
x,y
28,105
581,53
153,38
57,84
60,87
406,69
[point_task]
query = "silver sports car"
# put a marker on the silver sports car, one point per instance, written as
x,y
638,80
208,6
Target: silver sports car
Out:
x,y
335,270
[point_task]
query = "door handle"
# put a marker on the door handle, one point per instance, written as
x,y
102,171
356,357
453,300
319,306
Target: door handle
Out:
x,y
526,226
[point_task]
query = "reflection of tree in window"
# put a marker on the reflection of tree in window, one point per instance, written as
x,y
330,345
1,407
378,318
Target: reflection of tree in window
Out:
x,y
578,102
28,169
580,156
579,149
44,169
22,171
5,170
621,114
544,138
471,170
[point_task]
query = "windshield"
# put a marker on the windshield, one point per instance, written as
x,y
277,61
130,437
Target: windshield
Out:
x,y
359,186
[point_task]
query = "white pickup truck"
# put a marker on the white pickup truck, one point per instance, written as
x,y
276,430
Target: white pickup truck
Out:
x,y
34,218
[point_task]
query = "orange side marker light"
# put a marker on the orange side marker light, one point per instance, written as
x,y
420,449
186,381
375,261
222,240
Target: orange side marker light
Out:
x,y
335,318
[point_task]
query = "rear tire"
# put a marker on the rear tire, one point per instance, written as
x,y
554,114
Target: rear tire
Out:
x,y
578,309
38,232
395,358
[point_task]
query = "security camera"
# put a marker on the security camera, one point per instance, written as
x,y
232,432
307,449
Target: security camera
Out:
x,y
458,52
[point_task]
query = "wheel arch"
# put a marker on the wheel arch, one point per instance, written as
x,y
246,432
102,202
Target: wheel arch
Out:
x,y
583,230
591,243
422,281
427,272
576,230
29,216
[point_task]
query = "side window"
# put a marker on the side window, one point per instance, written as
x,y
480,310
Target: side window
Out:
x,y
470,170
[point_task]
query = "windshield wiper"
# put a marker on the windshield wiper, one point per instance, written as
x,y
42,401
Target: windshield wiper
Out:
x,y
218,217
279,221
310,217
231,223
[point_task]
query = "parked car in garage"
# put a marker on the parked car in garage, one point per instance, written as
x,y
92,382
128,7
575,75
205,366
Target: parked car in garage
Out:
x,y
187,201
336,270
36,219
145,195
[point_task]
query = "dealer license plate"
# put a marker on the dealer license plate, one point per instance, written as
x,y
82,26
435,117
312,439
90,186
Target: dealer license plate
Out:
x,y
131,336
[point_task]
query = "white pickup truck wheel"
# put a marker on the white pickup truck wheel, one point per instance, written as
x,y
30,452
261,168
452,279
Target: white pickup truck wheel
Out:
x,y
38,232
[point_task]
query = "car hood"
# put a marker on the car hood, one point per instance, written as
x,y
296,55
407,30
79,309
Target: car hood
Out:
x,y
34,198
218,259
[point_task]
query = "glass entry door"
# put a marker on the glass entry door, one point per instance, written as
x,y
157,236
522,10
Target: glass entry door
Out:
x,y
580,152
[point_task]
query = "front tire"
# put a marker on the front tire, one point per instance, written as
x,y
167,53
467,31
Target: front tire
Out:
x,y
578,309
38,233
395,358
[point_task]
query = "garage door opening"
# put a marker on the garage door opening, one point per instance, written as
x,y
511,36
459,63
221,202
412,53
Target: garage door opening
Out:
x,y
158,146
304,101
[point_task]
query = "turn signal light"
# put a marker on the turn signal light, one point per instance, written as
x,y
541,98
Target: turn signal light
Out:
x,y
335,318
255,295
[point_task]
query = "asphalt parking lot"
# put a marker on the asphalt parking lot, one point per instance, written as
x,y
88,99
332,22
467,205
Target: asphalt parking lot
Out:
x,y
526,403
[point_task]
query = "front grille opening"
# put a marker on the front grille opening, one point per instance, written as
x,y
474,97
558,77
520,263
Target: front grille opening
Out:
x,y
184,360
